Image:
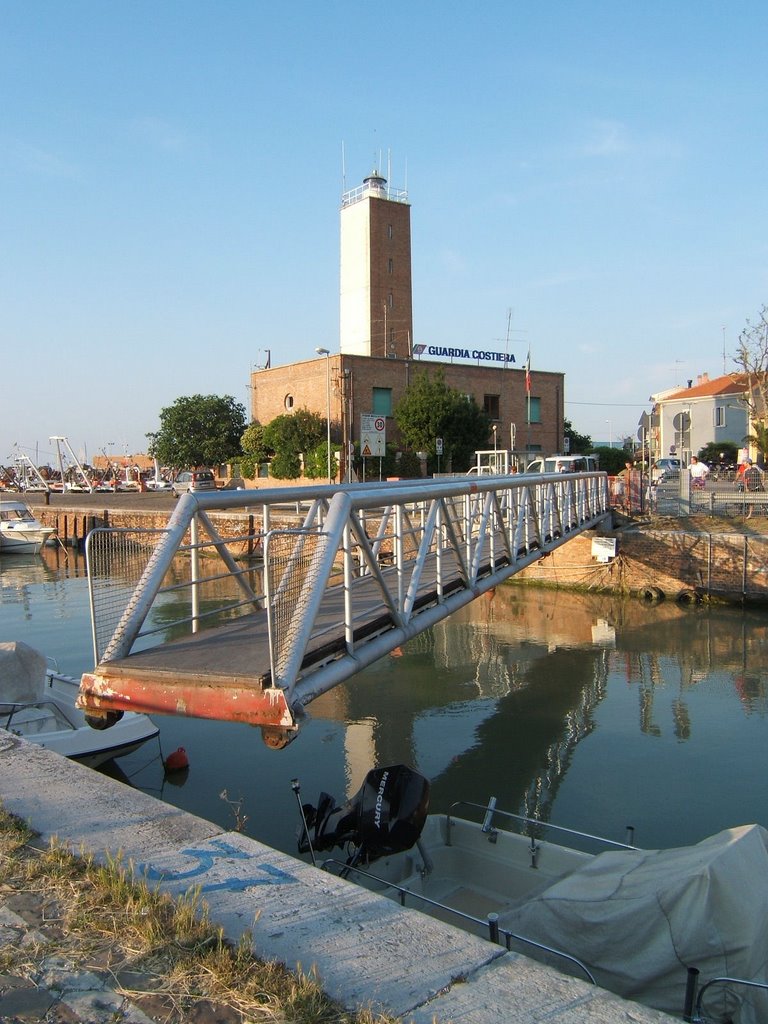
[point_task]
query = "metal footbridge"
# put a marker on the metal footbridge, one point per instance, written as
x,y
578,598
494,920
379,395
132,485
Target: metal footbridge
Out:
x,y
250,604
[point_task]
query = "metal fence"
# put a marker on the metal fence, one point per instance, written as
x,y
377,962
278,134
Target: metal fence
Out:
x,y
674,495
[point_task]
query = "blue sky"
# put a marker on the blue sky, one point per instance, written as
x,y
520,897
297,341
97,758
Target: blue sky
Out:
x,y
171,175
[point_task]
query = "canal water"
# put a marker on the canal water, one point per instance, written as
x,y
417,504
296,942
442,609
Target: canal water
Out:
x,y
594,712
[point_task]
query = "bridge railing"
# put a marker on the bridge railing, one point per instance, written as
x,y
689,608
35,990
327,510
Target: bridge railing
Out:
x,y
367,566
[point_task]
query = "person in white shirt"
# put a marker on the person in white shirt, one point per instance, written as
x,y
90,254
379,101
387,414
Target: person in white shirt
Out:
x,y
699,472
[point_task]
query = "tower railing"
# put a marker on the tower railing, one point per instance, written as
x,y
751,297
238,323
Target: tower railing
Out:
x,y
354,195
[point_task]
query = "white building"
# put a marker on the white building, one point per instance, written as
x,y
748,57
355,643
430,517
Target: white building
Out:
x,y
684,420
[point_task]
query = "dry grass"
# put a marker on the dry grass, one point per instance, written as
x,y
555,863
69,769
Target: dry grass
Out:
x,y
161,953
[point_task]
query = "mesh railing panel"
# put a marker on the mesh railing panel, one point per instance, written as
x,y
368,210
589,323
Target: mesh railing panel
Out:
x,y
116,562
738,565
293,565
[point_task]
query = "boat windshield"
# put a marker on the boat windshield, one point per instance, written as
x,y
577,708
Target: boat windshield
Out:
x,y
15,513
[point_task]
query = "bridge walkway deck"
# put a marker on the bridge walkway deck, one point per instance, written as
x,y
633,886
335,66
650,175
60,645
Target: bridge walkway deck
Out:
x,y
369,568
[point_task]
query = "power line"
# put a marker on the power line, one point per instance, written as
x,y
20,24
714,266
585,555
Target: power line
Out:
x,y
612,405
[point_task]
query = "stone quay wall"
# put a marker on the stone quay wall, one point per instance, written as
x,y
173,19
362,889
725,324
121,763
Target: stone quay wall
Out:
x,y
654,563
72,525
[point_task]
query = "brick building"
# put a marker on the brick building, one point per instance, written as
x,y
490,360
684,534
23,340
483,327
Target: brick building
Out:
x,y
377,359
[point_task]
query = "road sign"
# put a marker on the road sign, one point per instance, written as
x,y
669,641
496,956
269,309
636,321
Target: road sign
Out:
x,y
438,446
373,436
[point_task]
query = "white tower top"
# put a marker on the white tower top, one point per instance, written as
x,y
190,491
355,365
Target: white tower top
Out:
x,y
374,186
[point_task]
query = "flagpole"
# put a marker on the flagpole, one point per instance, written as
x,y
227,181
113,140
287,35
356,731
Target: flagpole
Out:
x,y
528,403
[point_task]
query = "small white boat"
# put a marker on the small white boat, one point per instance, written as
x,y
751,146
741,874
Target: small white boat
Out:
x,y
20,532
654,926
38,704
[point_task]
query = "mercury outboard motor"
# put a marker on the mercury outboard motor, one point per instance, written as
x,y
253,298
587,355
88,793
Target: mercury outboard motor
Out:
x,y
386,815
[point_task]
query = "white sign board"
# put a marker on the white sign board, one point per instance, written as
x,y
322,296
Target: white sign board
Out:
x,y
373,436
603,548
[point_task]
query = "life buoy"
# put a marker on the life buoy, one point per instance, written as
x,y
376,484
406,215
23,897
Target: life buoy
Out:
x,y
652,595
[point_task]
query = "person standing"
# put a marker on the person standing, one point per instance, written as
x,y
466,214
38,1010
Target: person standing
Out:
x,y
699,472
752,477
624,487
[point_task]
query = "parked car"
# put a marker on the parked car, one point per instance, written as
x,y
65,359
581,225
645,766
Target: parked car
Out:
x,y
564,464
665,469
194,480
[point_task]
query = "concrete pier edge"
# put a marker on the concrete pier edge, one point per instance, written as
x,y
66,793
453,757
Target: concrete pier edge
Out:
x,y
367,951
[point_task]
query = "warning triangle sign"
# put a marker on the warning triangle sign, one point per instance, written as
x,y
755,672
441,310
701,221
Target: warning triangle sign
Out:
x,y
366,450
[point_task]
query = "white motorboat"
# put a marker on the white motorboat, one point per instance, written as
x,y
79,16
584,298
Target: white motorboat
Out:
x,y
20,532
38,704
655,926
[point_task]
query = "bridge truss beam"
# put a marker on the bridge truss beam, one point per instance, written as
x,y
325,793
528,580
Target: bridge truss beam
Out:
x,y
365,568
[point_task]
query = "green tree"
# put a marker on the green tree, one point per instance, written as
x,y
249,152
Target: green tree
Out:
x,y
578,444
316,461
759,438
611,460
255,451
290,435
285,465
198,430
430,409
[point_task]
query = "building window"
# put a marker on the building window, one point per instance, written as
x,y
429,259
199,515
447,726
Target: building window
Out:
x,y
288,402
390,300
719,416
389,231
491,406
381,402
391,266
534,410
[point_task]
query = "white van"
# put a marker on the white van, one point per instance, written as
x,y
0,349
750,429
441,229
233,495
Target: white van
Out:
x,y
564,464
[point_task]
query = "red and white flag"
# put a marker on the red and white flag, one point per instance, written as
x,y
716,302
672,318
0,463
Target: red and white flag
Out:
x,y
528,374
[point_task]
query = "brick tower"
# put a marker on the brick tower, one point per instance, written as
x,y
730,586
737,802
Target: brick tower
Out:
x,y
376,313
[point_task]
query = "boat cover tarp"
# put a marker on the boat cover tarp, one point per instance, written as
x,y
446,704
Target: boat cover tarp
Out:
x,y
22,673
640,918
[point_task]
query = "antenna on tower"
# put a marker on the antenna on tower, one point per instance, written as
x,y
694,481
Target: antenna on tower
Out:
x,y
723,351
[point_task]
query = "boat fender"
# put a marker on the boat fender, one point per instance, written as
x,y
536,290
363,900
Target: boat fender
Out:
x,y
177,761
687,596
652,595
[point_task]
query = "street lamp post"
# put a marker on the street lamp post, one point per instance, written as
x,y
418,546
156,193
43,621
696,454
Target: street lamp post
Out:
x,y
326,352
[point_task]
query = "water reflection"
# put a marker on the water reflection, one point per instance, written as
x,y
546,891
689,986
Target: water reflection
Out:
x,y
589,710
506,696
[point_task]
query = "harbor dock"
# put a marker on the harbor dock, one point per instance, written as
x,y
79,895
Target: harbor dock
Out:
x,y
366,950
